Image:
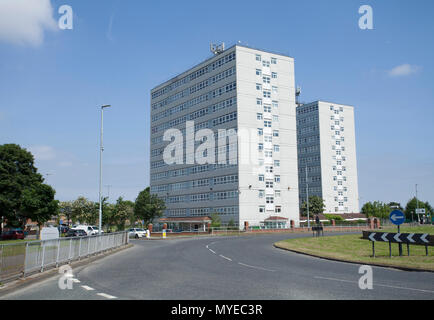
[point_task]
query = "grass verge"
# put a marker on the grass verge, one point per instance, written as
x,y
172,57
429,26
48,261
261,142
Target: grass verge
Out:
x,y
352,248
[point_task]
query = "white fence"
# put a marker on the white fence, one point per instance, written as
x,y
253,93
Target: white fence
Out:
x,y
21,259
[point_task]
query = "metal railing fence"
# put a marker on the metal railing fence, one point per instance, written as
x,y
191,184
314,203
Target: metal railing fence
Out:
x,y
24,258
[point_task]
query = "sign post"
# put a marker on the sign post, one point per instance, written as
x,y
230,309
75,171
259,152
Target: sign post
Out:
x,y
397,217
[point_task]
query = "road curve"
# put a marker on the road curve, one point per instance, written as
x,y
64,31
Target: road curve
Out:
x,y
228,268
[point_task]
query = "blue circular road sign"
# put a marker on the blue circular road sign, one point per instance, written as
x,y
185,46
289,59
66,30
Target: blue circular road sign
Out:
x,y
397,217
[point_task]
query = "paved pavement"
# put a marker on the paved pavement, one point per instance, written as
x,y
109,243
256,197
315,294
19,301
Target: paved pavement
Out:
x,y
233,268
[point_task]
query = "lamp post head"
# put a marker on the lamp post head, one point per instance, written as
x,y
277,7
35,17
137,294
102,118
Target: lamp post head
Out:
x,y
106,106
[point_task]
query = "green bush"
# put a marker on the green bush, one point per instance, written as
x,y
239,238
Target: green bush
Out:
x,y
334,217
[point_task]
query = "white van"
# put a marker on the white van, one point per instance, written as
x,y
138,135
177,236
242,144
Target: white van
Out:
x,y
90,230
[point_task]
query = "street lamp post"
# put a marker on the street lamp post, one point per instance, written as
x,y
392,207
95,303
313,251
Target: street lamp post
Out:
x,y
100,167
307,201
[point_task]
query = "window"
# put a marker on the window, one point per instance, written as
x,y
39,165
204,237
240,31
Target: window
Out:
x,y
258,72
267,108
261,147
267,94
269,200
277,163
259,116
277,179
261,178
274,75
275,133
267,124
275,104
259,102
261,193
266,64
258,86
268,154
269,169
268,138
273,61
275,118
274,89
266,79
261,209
277,194
269,184
258,57
260,131
278,209
276,148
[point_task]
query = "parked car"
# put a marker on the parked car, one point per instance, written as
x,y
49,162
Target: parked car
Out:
x,y
14,234
136,233
76,233
95,230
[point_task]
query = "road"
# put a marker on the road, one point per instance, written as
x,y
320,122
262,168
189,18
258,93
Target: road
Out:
x,y
227,268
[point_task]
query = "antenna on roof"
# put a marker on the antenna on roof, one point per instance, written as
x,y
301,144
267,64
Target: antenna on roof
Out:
x,y
217,49
297,95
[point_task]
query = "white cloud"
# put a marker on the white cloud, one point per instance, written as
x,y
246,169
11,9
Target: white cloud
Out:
x,y
43,152
403,70
24,21
65,164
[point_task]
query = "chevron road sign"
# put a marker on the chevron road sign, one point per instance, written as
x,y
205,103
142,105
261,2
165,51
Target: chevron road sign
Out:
x,y
422,239
411,238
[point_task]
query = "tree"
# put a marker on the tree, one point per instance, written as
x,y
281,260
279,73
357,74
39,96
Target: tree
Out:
x,y
38,204
148,206
411,206
19,182
84,211
376,209
216,222
395,205
119,213
231,224
65,209
316,206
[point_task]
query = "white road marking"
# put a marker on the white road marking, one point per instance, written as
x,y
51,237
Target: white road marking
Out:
x,y
212,251
207,246
378,285
87,288
254,267
75,280
106,296
225,258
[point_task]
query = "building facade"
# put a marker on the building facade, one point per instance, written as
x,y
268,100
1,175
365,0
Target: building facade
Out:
x,y
327,150
224,140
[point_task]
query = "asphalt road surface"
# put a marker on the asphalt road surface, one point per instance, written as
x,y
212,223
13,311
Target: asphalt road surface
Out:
x,y
227,268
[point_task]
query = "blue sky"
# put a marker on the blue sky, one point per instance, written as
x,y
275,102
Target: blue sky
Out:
x,y
51,85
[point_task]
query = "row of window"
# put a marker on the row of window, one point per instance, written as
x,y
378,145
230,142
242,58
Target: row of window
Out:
x,y
266,63
202,98
195,183
201,197
195,75
307,109
190,171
